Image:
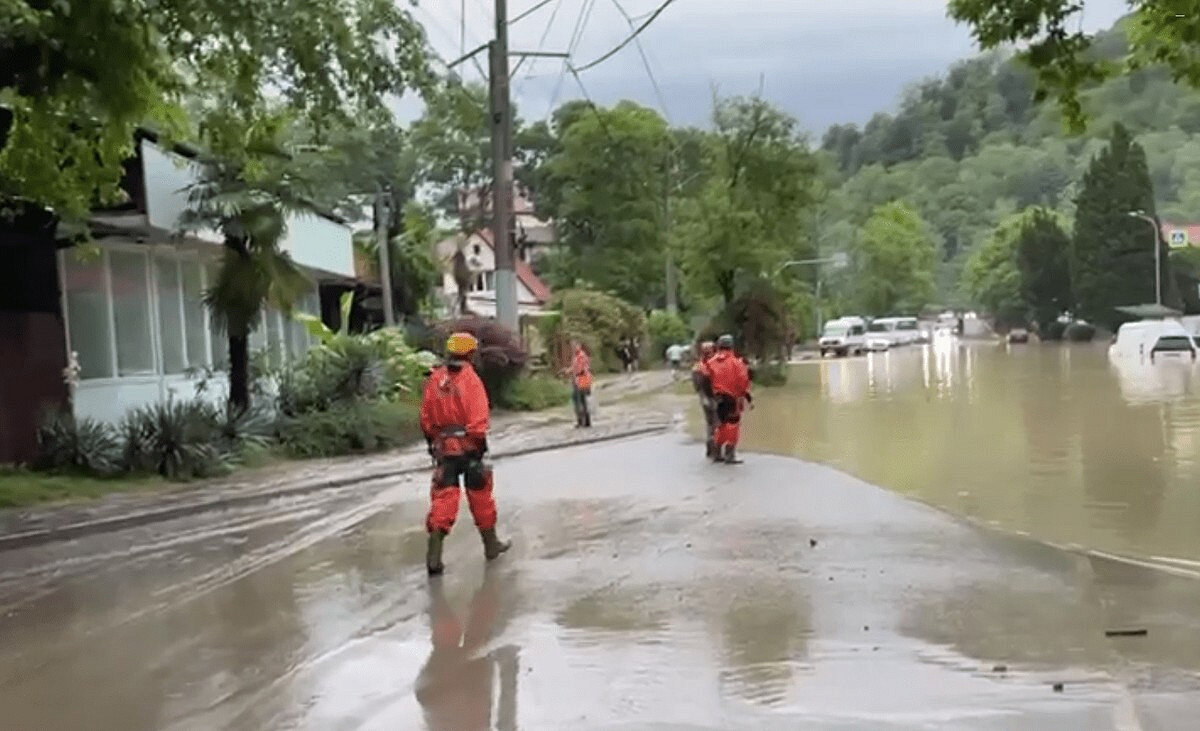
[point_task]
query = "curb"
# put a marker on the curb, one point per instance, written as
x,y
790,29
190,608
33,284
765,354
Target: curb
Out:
x,y
38,537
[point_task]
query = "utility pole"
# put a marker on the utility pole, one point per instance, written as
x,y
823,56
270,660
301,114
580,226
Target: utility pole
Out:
x,y
672,299
385,255
1157,253
502,177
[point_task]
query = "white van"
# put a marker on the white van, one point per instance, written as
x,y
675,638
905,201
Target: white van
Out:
x,y
844,336
1153,339
896,330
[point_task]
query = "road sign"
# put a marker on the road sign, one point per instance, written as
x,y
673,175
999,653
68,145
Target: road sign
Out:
x,y
840,260
1178,238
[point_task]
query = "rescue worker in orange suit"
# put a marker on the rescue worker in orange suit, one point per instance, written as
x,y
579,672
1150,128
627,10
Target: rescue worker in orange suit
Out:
x,y
702,383
454,418
731,386
581,385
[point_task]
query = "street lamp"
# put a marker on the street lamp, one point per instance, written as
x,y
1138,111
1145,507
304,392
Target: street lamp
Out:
x,y
838,261
1157,254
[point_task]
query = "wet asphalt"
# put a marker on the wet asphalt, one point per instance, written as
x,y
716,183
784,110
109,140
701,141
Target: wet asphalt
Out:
x,y
646,589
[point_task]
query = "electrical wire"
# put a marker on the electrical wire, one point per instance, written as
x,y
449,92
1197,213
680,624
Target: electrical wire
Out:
x,y
576,35
540,46
530,11
633,36
662,102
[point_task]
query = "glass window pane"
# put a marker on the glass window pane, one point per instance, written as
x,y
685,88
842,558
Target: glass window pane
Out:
x,y
193,314
218,340
131,312
274,339
170,319
87,315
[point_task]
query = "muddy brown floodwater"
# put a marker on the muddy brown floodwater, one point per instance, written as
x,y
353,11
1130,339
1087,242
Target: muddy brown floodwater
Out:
x,y
1050,440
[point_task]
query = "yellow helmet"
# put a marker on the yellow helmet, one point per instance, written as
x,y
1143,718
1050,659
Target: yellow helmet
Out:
x,y
461,344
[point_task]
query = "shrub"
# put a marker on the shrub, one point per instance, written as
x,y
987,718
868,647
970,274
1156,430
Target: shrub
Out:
x,y
1080,332
1054,331
349,428
378,365
501,356
176,439
770,374
534,393
87,445
666,329
601,321
757,318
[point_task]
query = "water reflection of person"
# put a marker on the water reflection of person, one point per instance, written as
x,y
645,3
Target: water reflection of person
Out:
x,y
455,686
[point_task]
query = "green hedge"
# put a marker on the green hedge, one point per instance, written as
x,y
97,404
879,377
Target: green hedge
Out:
x,y
534,393
350,428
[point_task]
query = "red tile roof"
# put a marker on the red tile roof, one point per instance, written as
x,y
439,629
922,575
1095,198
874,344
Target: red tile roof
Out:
x,y
1193,231
532,282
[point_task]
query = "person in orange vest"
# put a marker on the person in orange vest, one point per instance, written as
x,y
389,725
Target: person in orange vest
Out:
x,y
455,420
581,384
702,383
731,387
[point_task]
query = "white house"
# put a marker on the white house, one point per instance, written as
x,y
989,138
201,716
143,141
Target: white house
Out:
x,y
532,292
134,313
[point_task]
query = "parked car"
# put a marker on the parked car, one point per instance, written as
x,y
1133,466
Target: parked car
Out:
x,y
843,336
1153,338
876,344
1018,335
897,330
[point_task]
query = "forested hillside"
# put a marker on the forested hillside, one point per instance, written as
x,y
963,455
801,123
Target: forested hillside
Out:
x,y
969,148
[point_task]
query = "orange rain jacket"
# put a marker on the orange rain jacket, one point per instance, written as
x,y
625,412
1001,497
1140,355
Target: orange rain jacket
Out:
x,y
729,375
455,398
581,368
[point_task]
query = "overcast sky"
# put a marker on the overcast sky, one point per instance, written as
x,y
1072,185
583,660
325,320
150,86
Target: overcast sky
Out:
x,y
825,61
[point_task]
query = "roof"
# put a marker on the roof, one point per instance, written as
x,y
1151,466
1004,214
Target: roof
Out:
x,y
532,281
1149,311
1193,231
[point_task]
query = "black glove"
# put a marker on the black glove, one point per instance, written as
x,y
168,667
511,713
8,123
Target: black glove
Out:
x,y
483,446
749,400
429,444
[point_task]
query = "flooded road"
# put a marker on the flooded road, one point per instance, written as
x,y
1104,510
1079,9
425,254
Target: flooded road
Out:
x,y
1046,439
645,589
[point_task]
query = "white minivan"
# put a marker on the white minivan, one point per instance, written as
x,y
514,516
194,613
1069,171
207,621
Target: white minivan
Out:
x,y
896,330
1153,339
844,336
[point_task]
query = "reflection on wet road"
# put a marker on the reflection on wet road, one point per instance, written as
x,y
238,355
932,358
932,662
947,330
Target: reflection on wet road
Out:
x,y
645,587
1046,439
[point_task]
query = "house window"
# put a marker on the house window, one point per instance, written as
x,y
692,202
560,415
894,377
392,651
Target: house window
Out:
x,y
194,316
218,338
170,314
131,312
85,287
476,250
484,282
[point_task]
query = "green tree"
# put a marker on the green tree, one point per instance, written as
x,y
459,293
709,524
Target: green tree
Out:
x,y
991,278
249,203
750,214
606,183
1041,254
77,78
894,260
1111,255
1065,59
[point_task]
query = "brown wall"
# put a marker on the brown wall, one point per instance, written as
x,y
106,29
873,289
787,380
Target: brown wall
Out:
x,y
32,340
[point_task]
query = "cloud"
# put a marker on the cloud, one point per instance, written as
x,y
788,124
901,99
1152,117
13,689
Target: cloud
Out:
x,y
825,61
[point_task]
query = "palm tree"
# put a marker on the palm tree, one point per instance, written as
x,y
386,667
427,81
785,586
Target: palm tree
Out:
x,y
251,215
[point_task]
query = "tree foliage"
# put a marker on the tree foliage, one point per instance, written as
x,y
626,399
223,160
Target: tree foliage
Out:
x,y
1066,60
77,78
1042,248
992,279
894,261
1112,253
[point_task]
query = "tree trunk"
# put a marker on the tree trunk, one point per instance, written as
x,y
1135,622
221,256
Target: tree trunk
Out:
x,y
239,372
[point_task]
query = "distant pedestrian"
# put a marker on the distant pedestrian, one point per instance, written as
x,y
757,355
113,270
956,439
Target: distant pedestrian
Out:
x,y
702,383
675,358
635,356
581,385
731,386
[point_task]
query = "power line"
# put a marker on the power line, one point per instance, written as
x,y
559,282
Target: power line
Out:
x,y
628,40
541,44
530,11
662,102
576,34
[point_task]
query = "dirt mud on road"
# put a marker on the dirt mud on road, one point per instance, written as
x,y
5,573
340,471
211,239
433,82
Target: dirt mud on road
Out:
x,y
645,589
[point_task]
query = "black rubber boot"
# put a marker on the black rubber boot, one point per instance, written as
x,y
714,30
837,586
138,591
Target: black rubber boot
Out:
x,y
731,455
433,553
493,546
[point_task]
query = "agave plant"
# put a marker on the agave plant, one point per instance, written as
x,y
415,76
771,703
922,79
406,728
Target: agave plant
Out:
x,y
177,439
67,443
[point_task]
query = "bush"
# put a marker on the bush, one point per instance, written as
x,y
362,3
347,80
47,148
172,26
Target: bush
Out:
x,y
666,329
769,375
67,444
349,428
1080,332
378,365
601,321
534,393
177,439
757,318
1054,331
501,356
